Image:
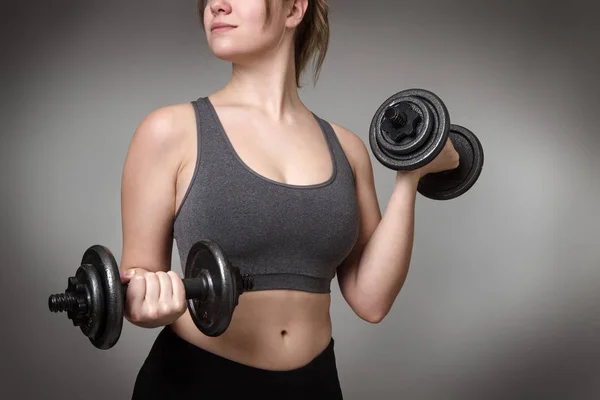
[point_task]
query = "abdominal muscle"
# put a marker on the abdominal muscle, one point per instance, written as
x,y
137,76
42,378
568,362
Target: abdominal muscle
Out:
x,y
273,330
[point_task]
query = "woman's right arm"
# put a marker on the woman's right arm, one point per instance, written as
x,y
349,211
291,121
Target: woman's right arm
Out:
x,y
155,295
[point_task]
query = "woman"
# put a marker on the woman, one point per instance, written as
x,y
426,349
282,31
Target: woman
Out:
x,y
287,195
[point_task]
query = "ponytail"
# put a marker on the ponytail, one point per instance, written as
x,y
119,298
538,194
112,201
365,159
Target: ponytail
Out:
x,y
312,39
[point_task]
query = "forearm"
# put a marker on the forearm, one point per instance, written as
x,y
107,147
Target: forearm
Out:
x,y
384,263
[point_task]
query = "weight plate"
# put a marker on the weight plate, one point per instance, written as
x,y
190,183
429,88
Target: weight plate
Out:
x,y
104,262
213,313
450,184
432,131
407,146
90,284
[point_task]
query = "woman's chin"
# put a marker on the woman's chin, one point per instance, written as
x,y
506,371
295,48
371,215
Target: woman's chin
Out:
x,y
226,54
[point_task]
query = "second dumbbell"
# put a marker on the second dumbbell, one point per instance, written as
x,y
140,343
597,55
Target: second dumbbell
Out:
x,y
95,297
411,128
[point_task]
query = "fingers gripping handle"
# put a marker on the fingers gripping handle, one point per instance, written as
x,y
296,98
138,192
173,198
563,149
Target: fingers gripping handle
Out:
x,y
195,288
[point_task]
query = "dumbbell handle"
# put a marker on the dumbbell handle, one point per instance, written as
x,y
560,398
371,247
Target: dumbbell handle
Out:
x,y
195,288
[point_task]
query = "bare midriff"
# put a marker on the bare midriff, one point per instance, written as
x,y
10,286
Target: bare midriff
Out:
x,y
274,330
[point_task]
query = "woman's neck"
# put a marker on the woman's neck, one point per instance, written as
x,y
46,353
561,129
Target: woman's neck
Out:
x,y
268,84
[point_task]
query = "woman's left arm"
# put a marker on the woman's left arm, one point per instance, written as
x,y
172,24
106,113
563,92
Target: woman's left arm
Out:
x,y
372,275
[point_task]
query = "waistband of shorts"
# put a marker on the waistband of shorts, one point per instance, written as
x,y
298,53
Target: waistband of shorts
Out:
x,y
174,344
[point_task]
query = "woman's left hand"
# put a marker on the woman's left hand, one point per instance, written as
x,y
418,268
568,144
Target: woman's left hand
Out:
x,y
448,159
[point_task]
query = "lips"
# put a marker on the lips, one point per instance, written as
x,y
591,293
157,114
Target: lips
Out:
x,y
221,26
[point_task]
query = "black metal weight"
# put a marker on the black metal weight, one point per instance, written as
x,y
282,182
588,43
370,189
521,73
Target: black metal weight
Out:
x,y
411,128
95,297
453,183
212,311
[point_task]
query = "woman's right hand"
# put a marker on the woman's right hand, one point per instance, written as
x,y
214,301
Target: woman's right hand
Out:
x,y
153,299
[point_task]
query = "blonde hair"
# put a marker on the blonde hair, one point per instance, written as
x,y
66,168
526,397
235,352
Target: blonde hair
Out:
x,y
311,39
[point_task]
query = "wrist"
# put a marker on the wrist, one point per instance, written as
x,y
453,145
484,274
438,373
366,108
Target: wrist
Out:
x,y
408,179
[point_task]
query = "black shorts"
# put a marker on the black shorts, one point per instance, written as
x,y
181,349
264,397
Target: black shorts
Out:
x,y
176,369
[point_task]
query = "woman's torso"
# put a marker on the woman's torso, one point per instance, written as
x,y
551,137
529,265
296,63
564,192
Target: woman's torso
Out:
x,y
274,329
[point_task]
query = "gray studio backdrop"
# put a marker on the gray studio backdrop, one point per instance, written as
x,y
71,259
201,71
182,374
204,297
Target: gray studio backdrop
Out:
x,y
502,299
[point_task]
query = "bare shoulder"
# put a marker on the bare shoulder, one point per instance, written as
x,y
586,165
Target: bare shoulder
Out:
x,y
164,128
355,149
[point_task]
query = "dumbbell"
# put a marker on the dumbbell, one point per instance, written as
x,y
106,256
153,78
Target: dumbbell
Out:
x,y
95,297
411,128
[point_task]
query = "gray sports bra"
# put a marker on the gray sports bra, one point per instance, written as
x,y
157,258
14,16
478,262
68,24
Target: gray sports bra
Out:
x,y
286,236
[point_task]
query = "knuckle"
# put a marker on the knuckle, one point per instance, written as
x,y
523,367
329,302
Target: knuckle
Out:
x,y
160,274
172,275
180,305
165,308
146,279
134,315
151,313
